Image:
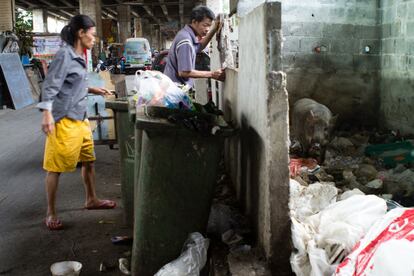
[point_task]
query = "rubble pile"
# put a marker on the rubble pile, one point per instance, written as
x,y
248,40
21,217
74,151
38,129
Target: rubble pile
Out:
x,y
338,197
352,162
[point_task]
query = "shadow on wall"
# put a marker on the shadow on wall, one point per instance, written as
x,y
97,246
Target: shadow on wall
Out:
x,y
251,166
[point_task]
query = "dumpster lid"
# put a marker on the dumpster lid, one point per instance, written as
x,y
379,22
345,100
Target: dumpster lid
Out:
x,y
120,104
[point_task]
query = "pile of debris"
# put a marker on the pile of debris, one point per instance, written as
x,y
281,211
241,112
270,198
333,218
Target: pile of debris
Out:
x,y
374,163
232,252
344,202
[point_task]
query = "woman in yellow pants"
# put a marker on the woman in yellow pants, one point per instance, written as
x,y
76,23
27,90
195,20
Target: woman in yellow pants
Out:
x,y
64,104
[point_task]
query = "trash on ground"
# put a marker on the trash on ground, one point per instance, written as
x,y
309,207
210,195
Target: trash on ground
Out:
x,y
102,221
247,263
192,259
124,266
66,268
230,237
386,249
298,165
102,267
325,230
122,240
393,153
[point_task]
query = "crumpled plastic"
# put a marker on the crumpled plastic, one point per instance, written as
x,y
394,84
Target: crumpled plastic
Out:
x,y
156,89
324,230
192,259
386,249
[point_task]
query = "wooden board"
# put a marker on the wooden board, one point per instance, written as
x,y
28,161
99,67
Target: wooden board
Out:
x,y
16,80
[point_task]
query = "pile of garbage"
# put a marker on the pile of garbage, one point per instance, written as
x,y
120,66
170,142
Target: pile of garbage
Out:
x,y
232,252
345,207
374,163
160,97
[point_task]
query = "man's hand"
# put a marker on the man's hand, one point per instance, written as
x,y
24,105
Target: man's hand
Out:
x,y
48,123
99,91
219,75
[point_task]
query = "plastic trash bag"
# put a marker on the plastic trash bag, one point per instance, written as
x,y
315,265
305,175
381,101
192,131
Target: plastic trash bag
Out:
x,y
386,249
156,89
309,200
324,230
191,261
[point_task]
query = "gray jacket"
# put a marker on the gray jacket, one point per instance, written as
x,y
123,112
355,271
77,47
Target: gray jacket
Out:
x,y
64,89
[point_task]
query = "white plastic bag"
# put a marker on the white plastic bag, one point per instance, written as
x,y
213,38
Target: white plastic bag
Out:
x,y
309,200
386,249
156,89
191,261
324,231
346,222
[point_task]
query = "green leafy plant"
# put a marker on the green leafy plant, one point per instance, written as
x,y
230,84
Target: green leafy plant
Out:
x,y
23,29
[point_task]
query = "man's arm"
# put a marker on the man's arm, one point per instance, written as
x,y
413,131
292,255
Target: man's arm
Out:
x,y
217,75
205,40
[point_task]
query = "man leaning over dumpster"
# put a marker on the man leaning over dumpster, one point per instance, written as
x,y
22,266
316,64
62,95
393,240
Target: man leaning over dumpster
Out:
x,y
182,54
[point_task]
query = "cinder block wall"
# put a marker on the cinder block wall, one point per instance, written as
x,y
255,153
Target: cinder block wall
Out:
x,y
397,63
341,76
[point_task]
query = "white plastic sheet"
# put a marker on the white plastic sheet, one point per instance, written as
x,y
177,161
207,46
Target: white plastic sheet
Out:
x,y
386,249
156,89
323,230
191,261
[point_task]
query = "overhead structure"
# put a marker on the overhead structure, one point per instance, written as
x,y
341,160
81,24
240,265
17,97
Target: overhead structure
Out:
x,y
168,15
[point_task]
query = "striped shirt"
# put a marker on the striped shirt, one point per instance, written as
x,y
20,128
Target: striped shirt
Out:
x,y
182,55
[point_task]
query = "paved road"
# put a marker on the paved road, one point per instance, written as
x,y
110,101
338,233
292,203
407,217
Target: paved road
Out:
x,y
26,246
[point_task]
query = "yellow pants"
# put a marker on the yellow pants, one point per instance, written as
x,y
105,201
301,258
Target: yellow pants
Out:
x,y
70,142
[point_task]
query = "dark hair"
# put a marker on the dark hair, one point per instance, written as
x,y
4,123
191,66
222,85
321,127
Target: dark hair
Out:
x,y
200,12
78,22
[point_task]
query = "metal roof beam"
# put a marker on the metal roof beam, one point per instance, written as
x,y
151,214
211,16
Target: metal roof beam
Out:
x,y
151,14
164,9
58,15
56,7
121,2
30,4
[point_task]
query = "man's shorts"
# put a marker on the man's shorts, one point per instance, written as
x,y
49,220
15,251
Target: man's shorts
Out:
x,y
70,142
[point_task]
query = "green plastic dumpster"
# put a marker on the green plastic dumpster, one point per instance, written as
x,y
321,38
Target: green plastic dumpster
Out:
x,y
125,133
176,171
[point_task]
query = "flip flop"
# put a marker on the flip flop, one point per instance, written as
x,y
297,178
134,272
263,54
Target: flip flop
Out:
x,y
103,204
53,224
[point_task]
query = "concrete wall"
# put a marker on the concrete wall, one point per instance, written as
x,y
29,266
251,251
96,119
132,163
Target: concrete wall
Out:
x,y
255,99
397,61
341,75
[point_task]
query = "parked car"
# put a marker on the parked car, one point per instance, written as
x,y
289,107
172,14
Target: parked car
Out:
x,y
137,53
